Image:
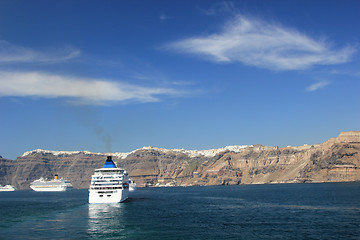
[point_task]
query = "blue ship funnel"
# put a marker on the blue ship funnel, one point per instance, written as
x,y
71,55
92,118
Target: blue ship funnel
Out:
x,y
109,163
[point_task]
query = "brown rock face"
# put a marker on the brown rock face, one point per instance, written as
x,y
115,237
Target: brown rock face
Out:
x,y
336,160
7,168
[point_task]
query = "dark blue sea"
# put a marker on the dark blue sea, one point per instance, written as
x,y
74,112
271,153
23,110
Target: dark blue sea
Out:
x,y
283,211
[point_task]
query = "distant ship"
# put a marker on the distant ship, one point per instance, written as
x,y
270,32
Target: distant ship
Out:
x,y
109,184
7,188
54,185
132,185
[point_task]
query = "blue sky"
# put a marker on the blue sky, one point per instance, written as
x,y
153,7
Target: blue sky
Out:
x,y
119,75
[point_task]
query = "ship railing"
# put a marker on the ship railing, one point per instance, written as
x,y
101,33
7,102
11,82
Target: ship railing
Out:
x,y
107,177
105,188
104,185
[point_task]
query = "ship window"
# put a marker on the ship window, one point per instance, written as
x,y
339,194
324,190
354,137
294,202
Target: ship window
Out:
x,y
109,195
101,195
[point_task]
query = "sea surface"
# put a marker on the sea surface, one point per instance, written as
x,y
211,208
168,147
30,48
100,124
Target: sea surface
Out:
x,y
280,211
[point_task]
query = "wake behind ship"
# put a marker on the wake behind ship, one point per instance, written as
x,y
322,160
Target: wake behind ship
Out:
x,y
109,184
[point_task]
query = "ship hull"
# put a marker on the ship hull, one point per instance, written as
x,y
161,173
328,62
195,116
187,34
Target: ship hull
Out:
x,y
7,188
48,189
101,196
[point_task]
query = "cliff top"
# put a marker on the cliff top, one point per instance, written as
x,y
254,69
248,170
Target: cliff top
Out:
x,y
350,136
346,137
191,153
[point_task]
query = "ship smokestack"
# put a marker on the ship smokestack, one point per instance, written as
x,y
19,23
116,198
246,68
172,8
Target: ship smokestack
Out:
x,y
109,163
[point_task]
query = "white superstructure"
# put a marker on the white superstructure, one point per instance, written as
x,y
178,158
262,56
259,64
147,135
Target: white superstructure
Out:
x,y
54,185
109,184
68,184
7,188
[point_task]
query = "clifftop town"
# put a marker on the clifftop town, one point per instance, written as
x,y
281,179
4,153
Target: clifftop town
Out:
x,y
336,160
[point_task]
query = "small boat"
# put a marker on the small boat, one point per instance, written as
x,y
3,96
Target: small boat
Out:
x,y
109,184
54,185
7,188
132,185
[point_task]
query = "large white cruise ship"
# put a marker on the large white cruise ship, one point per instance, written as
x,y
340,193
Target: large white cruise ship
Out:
x,y
54,185
109,184
7,188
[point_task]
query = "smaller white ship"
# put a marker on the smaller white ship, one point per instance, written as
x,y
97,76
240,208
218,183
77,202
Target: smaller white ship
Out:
x,y
54,185
132,185
7,188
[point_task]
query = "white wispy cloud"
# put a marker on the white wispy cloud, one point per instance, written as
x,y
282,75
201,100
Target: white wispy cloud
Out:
x,y
77,90
266,45
163,17
317,86
351,72
10,53
220,7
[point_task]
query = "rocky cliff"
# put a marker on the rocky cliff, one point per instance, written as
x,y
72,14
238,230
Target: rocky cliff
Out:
x,y
335,160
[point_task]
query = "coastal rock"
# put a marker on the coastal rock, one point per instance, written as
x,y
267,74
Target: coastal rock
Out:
x,y
335,160
7,169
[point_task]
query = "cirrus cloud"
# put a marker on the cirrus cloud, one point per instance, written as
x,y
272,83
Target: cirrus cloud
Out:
x,y
77,90
317,86
265,45
10,53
